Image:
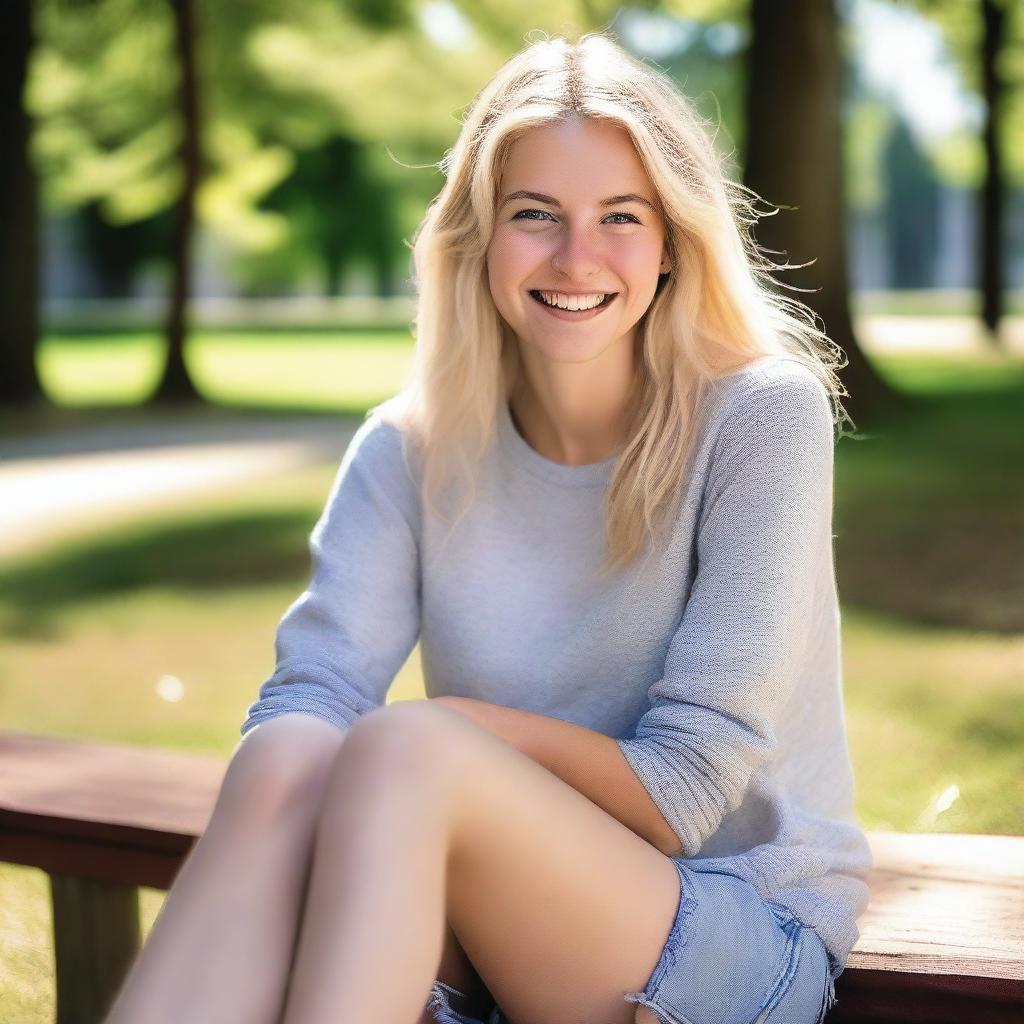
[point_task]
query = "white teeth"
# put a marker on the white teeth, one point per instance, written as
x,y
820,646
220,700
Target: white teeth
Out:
x,y
572,302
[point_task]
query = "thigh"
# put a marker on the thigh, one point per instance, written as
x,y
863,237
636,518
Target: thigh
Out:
x,y
561,909
569,917
730,958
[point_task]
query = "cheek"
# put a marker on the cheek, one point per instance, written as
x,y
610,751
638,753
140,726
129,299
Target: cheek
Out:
x,y
640,266
514,253
506,269
641,254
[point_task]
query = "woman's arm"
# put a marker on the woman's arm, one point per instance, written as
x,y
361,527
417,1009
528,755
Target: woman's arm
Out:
x,y
761,608
340,643
589,761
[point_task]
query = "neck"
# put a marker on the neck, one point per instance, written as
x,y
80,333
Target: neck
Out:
x,y
574,428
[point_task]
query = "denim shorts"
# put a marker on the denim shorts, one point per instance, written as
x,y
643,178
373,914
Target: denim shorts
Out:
x,y
731,957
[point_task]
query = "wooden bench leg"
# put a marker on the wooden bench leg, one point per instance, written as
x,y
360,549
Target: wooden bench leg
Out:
x,y
96,935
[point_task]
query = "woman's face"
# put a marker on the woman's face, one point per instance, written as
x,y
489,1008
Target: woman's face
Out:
x,y
568,239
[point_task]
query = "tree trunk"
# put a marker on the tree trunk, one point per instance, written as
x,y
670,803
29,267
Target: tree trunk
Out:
x,y
991,240
794,159
176,385
19,216
333,264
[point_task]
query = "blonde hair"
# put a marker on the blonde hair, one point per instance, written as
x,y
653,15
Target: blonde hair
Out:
x,y
713,314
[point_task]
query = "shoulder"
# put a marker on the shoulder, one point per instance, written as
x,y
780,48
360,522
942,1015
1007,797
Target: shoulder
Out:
x,y
775,395
380,444
378,460
768,381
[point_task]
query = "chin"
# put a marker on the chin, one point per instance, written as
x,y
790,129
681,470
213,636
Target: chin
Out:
x,y
570,350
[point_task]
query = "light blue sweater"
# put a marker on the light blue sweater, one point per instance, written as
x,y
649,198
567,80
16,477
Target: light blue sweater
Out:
x,y
716,667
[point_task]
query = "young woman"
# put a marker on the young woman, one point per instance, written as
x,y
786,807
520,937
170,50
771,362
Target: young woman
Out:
x,y
603,505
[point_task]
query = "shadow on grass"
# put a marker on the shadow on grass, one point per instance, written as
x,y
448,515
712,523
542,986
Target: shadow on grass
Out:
x,y
45,418
929,515
929,520
205,556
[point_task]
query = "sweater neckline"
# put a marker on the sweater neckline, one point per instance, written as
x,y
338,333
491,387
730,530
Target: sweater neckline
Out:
x,y
591,474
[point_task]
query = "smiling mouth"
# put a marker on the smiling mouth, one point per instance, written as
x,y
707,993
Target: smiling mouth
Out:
x,y
607,300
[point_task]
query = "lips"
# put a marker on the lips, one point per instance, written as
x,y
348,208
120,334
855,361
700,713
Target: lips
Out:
x,y
574,316
607,300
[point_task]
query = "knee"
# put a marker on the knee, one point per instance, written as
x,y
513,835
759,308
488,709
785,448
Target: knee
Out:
x,y
283,764
401,740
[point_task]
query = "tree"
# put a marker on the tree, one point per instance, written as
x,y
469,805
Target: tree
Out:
x,y
911,210
19,214
993,204
339,208
201,109
153,105
793,159
981,37
175,383
116,254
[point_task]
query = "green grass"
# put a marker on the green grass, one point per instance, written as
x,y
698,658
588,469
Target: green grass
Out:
x,y
319,370
160,633
335,369
929,523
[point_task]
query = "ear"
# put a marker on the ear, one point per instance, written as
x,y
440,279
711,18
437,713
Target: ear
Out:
x,y
666,262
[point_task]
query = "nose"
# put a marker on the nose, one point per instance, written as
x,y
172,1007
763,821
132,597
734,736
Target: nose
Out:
x,y
578,255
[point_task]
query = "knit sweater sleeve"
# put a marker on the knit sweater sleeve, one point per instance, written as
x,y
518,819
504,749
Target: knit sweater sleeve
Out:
x,y
764,530
341,642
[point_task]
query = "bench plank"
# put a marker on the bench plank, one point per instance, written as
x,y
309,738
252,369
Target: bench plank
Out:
x,y
109,812
942,939
945,903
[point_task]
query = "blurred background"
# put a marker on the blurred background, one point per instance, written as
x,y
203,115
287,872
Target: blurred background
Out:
x,y
205,280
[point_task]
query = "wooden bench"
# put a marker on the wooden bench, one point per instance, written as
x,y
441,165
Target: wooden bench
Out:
x,y
941,941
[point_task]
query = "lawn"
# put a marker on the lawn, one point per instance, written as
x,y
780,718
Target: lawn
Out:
x,y
313,369
161,633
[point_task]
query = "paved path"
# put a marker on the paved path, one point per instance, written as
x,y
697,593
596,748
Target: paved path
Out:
x,y
938,334
66,483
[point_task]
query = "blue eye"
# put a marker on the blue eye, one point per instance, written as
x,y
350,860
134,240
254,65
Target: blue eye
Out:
x,y
630,219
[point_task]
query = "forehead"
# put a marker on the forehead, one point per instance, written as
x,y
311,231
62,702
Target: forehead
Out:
x,y
578,157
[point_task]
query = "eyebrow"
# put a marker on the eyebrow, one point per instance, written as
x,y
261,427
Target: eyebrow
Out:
x,y
629,197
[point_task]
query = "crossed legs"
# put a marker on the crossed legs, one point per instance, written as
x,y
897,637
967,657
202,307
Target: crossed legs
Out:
x,y
429,821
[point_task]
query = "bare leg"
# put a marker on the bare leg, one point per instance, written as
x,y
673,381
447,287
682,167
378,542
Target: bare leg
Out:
x,y
221,947
428,818
374,922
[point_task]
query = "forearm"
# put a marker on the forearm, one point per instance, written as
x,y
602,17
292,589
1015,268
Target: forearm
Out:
x,y
589,761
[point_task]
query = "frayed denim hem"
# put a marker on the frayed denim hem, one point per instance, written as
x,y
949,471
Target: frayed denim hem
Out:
x,y
834,970
830,1000
678,936
439,1004
665,1015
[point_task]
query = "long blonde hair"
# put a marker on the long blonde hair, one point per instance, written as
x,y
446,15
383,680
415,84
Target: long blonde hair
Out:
x,y
715,312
